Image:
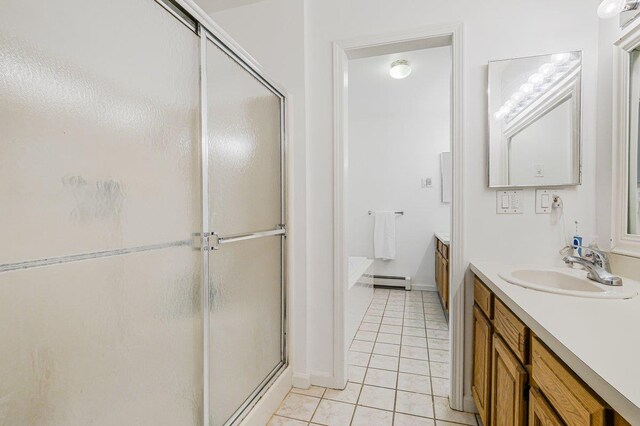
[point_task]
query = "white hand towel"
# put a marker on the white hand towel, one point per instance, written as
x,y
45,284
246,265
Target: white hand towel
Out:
x,y
384,236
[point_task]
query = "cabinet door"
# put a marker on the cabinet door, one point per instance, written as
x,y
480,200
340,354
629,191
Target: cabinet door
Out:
x,y
438,271
540,412
509,378
445,283
481,376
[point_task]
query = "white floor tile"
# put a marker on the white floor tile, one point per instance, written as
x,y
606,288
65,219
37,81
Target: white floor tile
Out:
x,y
376,397
444,412
366,416
368,336
382,378
414,366
333,413
384,362
369,326
296,406
443,345
391,321
419,342
283,421
349,394
414,383
439,369
386,349
407,420
438,355
361,346
360,359
392,314
388,338
356,374
440,386
412,331
312,391
390,329
438,334
414,352
414,323
414,403
374,319
437,325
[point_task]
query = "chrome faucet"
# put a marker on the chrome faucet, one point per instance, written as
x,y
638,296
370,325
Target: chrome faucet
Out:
x,y
596,263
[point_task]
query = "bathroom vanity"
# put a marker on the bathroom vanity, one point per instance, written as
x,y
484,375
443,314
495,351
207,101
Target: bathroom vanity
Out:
x,y
551,359
442,269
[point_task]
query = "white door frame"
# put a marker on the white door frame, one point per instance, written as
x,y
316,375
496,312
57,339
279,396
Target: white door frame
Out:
x,y
341,52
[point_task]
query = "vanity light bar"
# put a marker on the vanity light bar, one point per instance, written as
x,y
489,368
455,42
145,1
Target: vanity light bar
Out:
x,y
537,84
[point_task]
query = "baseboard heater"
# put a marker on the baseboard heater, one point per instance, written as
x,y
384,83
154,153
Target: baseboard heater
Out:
x,y
391,281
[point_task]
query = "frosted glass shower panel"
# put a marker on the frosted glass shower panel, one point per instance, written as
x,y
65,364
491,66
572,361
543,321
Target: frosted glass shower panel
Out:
x,y
244,148
246,326
98,127
109,341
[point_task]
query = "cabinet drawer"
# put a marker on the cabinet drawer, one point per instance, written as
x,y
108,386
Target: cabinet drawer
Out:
x,y
574,402
512,330
483,297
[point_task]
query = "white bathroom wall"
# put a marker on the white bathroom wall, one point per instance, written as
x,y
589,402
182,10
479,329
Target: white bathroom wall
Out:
x,y
397,130
493,29
279,48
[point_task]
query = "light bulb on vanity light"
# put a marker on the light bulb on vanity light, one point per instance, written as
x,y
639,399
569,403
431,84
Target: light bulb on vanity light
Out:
x,y
517,97
611,8
527,89
560,58
536,79
400,69
547,70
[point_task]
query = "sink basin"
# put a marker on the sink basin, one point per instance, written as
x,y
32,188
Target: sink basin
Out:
x,y
571,282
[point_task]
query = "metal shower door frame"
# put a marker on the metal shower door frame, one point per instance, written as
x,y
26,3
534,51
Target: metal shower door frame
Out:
x,y
211,241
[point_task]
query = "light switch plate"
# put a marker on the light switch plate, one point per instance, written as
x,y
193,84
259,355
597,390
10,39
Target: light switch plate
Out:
x,y
509,202
544,201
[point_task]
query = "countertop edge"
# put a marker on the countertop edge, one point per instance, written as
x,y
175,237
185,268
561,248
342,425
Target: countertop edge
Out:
x,y
444,240
606,391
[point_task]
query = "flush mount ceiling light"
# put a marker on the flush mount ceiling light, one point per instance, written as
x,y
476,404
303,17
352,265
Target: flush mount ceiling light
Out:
x,y
400,69
610,8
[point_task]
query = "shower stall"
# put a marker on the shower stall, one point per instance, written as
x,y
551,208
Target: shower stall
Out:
x,y
142,217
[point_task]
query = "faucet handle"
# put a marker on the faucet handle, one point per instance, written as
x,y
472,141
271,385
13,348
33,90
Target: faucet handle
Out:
x,y
597,256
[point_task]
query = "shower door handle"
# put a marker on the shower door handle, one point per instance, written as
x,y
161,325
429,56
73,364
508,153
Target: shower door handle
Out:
x,y
218,240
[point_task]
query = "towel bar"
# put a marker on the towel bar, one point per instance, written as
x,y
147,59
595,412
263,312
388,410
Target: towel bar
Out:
x,y
371,212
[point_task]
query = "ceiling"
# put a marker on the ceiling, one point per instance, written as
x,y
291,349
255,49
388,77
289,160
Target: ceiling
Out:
x,y
212,6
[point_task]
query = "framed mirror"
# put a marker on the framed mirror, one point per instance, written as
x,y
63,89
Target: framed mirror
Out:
x,y
535,121
626,153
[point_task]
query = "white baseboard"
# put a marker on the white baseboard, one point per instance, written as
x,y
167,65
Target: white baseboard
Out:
x,y
301,380
324,380
423,287
270,401
469,405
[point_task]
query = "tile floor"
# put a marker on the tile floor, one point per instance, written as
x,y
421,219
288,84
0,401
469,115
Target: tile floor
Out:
x,y
398,371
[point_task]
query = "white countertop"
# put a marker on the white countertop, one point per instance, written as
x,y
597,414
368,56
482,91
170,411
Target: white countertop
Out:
x,y
443,236
598,339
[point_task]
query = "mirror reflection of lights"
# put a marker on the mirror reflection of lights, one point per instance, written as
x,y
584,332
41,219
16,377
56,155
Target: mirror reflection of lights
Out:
x,y
538,83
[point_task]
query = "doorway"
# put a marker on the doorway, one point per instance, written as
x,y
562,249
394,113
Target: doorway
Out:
x,y
345,54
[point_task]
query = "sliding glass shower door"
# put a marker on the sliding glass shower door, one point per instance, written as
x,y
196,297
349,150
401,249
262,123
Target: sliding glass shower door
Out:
x,y
124,136
100,288
246,216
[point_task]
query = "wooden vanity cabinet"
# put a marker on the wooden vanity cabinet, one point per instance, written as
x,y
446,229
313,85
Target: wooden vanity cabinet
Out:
x,y
482,359
540,412
442,273
525,382
508,384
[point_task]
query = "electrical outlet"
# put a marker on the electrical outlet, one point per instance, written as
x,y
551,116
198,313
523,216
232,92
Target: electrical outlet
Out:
x,y
544,201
